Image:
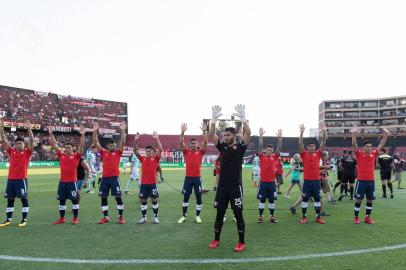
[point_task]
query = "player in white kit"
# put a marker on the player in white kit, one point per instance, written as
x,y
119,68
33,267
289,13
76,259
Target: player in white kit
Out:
x,y
94,161
256,170
134,173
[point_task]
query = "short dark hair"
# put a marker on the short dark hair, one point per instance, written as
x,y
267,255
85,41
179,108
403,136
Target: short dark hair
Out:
x,y
383,150
66,144
367,142
19,139
350,152
269,145
230,129
193,139
111,141
148,147
311,142
345,151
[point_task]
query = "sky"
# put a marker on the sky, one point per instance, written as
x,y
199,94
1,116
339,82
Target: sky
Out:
x,y
172,60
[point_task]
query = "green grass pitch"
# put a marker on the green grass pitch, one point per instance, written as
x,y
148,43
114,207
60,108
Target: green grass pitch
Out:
x,y
170,240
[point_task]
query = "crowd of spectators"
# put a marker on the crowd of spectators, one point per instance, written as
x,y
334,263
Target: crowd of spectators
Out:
x,y
47,109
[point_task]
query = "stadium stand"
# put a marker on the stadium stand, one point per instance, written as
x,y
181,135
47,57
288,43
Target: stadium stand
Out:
x,y
64,112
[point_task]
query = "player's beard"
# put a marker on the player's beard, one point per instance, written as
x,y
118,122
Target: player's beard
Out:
x,y
231,142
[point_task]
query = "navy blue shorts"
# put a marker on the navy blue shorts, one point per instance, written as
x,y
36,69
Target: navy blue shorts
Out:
x,y
67,190
311,188
365,189
148,191
267,190
294,181
79,183
192,183
16,188
232,195
110,183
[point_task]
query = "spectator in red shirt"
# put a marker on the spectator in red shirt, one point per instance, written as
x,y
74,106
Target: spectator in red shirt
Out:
x,y
17,185
68,162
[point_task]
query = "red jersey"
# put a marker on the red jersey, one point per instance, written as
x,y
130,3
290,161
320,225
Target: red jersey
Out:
x,y
68,165
111,162
18,163
218,167
193,160
267,164
366,165
149,167
278,166
311,165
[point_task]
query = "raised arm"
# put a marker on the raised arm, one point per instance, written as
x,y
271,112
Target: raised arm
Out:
x,y
205,140
52,140
215,115
323,139
301,143
135,148
86,168
240,113
240,135
354,131
288,173
158,142
123,125
95,139
82,133
183,128
247,133
261,141
30,135
385,135
5,144
279,145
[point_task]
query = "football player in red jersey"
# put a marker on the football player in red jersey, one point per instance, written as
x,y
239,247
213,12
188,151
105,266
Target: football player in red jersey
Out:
x,y
365,186
17,185
193,158
279,174
111,172
148,188
68,162
216,172
311,174
267,186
